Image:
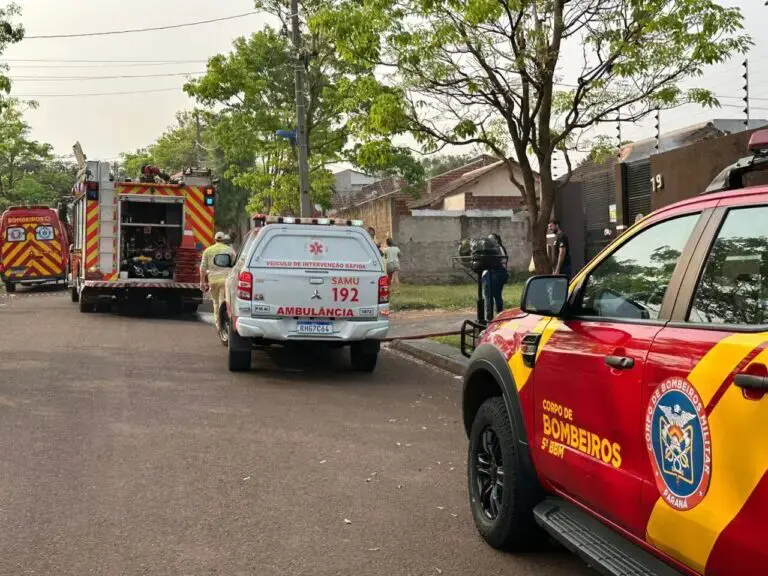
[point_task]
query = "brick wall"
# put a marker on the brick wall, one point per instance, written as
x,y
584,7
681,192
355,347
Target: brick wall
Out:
x,y
379,213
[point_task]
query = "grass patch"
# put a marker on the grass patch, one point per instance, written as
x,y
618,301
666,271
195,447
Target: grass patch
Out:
x,y
454,340
453,297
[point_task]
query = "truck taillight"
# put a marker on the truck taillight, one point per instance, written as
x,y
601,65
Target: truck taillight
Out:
x,y
210,196
383,290
245,285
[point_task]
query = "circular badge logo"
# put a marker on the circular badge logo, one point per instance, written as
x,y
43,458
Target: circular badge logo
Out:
x,y
678,441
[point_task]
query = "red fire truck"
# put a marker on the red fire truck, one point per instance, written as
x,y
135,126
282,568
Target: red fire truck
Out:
x,y
139,240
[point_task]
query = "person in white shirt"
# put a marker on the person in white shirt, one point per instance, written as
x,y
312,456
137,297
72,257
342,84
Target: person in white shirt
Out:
x,y
392,256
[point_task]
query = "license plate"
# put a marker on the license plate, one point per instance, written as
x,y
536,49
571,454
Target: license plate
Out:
x,y
314,328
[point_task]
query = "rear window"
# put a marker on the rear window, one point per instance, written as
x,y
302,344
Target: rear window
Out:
x,y
302,249
44,233
15,234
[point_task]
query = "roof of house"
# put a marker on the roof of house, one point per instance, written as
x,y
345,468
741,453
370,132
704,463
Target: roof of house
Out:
x,y
438,186
378,189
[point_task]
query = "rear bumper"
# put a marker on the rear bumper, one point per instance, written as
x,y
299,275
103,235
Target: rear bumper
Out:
x,y
32,281
284,329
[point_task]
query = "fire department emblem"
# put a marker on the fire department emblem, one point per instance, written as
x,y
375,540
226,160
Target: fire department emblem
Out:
x,y
678,441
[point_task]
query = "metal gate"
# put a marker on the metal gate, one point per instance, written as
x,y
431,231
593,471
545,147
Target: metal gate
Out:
x,y
599,193
638,176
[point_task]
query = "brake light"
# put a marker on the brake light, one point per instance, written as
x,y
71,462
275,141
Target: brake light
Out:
x,y
244,285
383,290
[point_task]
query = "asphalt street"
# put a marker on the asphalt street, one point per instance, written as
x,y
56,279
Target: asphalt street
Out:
x,y
127,448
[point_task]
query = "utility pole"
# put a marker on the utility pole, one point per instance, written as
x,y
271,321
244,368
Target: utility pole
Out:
x,y
305,202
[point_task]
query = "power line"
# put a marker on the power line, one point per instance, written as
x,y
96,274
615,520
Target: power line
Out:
x,y
135,30
88,94
8,60
100,65
72,78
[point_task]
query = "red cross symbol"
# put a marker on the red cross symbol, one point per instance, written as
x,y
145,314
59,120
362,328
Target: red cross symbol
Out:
x,y
316,248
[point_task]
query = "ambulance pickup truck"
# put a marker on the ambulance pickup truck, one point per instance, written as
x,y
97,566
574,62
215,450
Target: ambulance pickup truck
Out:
x,y
625,412
311,281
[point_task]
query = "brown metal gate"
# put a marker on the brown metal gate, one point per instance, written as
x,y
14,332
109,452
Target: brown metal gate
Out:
x,y
599,193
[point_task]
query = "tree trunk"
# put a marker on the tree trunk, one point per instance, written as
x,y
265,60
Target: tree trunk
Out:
x,y
539,246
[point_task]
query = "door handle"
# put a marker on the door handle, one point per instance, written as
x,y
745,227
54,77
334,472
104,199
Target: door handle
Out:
x,y
620,362
751,382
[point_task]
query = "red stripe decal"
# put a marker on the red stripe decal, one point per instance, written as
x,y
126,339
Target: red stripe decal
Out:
x,y
729,379
740,546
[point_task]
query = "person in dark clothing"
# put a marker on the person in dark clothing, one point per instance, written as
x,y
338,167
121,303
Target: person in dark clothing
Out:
x,y
562,252
494,280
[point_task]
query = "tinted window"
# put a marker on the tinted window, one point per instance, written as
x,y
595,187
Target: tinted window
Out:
x,y
631,282
734,286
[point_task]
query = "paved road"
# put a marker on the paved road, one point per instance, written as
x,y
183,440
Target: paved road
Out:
x,y
126,448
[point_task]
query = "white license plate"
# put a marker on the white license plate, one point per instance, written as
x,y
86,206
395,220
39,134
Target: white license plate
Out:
x,y
314,328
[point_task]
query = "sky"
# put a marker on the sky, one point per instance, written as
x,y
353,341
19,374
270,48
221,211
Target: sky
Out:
x,y
109,125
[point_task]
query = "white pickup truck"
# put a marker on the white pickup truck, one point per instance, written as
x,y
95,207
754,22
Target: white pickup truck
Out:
x,y
312,280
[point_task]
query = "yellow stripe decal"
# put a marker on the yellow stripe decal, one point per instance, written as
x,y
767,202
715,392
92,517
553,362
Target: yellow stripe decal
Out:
x,y
520,372
738,429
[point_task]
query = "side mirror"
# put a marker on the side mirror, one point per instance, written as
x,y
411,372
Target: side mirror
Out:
x,y
545,295
222,260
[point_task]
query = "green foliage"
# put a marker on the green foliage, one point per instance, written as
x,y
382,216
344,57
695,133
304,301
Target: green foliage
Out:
x,y
488,73
350,115
434,165
175,150
29,173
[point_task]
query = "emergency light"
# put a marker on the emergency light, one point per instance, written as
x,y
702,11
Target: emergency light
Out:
x,y
210,196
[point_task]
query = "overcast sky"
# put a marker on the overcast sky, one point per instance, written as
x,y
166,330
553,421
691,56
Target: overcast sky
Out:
x,y
108,125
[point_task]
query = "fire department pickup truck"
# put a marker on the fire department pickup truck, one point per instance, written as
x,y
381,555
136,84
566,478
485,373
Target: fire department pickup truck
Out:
x,y
315,281
625,414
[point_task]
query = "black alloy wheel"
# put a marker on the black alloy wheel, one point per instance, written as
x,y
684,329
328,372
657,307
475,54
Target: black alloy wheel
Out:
x,y
489,466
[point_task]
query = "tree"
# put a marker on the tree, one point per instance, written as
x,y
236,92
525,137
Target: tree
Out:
x,y
187,143
176,149
21,158
252,94
527,77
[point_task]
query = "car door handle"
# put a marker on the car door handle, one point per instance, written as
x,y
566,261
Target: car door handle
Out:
x,y
620,362
751,382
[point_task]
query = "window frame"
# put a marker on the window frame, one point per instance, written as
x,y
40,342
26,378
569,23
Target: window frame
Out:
x,y
698,264
675,281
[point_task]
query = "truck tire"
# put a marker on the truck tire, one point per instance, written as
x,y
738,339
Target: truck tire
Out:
x,y
190,308
364,355
239,351
10,287
501,495
74,294
86,307
175,305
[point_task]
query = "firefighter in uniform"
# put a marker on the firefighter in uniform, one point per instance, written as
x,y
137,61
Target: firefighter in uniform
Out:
x,y
213,277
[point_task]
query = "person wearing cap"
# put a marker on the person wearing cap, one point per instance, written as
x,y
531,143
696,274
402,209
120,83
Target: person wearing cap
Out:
x,y
213,277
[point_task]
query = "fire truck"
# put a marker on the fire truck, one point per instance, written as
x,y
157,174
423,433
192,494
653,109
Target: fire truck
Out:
x,y
139,240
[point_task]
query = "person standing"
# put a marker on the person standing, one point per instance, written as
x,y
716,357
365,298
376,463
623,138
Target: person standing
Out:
x,y
392,256
494,280
372,233
562,251
213,277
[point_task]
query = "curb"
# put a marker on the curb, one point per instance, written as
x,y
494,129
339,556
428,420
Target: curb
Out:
x,y
440,355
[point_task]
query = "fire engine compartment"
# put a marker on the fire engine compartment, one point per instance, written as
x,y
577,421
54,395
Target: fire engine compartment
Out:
x,y
151,230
